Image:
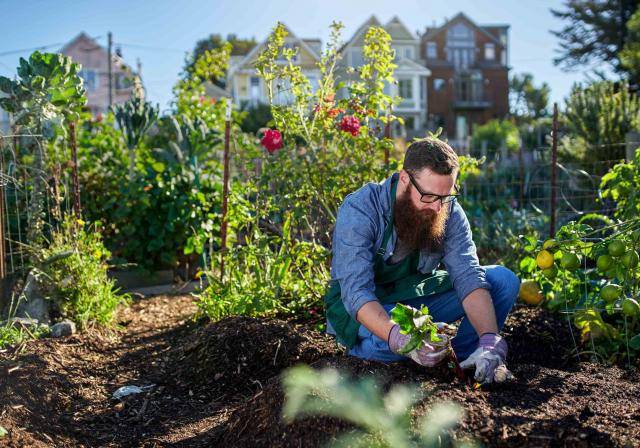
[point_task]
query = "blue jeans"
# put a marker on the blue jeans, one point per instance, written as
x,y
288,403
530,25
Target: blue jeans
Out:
x,y
446,307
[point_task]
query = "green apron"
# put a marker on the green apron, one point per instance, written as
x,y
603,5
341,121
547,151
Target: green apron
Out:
x,y
393,283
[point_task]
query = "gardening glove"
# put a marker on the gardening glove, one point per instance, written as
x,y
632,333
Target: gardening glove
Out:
x,y
428,355
488,360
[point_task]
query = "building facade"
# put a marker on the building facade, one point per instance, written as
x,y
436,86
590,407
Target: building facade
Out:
x,y
411,73
95,73
469,83
249,89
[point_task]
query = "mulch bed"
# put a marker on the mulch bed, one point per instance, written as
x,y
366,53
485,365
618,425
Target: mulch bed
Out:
x,y
217,384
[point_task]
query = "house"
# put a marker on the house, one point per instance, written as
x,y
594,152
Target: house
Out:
x,y
411,73
95,72
469,83
247,87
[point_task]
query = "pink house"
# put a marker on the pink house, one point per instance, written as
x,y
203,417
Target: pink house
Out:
x,y
95,68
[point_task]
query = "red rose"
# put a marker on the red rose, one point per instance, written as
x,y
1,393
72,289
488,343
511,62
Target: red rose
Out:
x,y
350,124
271,140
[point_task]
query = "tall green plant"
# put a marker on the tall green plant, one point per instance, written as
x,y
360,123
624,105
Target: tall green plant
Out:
x,y
72,271
46,96
134,118
600,115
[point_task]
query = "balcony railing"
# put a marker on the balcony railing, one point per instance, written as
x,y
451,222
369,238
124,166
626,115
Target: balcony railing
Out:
x,y
469,93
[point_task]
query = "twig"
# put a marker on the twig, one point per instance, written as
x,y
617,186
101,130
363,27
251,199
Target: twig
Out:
x,y
277,349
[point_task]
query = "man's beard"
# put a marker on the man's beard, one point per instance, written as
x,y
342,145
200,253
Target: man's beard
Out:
x,y
419,229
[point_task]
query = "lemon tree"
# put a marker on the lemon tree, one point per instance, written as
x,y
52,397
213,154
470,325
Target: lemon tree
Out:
x,y
593,274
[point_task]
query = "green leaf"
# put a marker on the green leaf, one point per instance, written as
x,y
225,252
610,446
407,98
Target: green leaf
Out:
x,y
530,243
634,342
3,432
6,85
527,265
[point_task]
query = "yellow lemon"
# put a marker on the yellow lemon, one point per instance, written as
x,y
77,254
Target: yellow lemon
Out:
x,y
530,293
544,259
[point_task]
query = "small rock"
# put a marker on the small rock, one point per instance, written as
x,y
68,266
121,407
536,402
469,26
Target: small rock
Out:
x,y
64,328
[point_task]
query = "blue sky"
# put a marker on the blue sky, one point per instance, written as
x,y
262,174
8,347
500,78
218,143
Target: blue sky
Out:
x,y
160,32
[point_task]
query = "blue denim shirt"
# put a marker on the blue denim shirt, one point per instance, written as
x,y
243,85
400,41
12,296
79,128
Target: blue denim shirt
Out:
x,y
358,235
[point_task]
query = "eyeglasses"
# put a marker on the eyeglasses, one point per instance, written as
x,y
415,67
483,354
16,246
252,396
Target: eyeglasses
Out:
x,y
430,198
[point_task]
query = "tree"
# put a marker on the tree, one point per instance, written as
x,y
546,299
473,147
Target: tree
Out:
x,y
630,54
239,47
527,100
600,115
596,32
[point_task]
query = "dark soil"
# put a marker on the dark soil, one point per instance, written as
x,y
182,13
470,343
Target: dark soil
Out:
x,y
218,385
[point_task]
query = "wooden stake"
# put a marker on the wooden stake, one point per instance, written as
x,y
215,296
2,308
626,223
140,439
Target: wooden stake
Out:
x,y
554,162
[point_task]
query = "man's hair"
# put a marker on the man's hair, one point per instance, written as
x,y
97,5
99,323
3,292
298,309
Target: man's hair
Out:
x,y
430,153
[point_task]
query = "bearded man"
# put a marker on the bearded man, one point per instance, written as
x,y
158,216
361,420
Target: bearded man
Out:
x,y
389,240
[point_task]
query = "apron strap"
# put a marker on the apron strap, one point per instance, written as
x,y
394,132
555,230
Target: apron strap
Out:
x,y
388,230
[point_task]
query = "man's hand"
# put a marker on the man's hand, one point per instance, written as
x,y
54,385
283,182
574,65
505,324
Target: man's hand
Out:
x,y
427,355
489,359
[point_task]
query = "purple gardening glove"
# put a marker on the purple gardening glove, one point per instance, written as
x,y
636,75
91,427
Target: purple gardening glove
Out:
x,y
428,355
489,359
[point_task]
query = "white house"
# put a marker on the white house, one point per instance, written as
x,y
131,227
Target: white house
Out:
x,y
411,74
247,87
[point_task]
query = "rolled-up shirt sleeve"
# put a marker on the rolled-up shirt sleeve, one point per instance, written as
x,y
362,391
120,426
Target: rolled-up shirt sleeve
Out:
x,y
460,256
354,241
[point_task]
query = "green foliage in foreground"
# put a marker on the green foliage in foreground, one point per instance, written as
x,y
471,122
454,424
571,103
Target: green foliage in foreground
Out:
x,y
383,421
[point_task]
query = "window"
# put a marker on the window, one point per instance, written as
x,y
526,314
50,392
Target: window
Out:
x,y
489,52
432,50
405,87
438,84
122,81
460,46
408,53
90,79
254,89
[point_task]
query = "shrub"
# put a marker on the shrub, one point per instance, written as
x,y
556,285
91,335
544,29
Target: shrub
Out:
x,y
73,273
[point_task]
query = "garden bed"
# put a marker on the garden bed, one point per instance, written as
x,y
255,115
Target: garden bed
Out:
x,y
217,385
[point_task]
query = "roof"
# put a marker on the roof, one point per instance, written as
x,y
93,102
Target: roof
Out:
x,y
412,66
398,30
461,17
303,43
371,21
215,91
86,38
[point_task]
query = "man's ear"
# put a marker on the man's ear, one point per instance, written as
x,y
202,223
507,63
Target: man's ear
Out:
x,y
404,177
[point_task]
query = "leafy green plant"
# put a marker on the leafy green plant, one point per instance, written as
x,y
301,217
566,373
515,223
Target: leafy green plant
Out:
x,y
45,97
620,184
134,118
268,274
600,115
416,323
383,421
73,274
590,270
11,335
496,135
